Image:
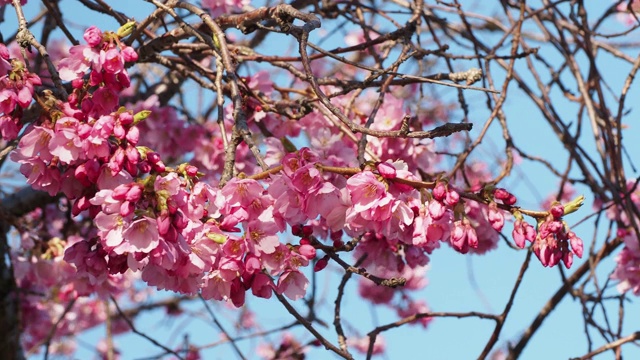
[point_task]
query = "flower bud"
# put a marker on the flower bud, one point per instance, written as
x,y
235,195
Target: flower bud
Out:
x,y
577,247
573,205
307,251
140,116
321,264
129,54
440,191
501,194
126,29
557,210
93,36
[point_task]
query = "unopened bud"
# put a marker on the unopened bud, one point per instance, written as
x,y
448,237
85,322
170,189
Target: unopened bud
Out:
x,y
573,205
126,29
140,116
321,264
557,210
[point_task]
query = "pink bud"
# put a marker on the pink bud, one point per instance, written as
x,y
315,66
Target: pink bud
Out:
x,y
156,162
510,200
153,157
459,237
577,245
133,135
495,217
120,192
451,198
522,231
296,230
440,191
126,208
132,154
163,222
126,118
518,234
118,131
555,258
307,251
81,175
237,293
144,167
129,54
159,167
557,211
543,255
567,259
321,264
93,36
92,168
307,230
472,236
191,170
134,194
501,194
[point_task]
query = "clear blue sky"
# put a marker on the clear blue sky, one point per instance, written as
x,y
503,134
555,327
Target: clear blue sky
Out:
x,y
450,277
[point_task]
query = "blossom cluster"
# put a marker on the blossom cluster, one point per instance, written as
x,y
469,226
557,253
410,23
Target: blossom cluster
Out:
x,y
16,93
186,235
174,225
553,241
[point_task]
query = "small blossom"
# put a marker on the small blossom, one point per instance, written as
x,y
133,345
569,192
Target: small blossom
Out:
x,y
93,36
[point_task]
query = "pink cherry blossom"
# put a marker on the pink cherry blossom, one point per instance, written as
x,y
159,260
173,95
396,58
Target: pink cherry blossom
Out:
x,y
293,284
141,236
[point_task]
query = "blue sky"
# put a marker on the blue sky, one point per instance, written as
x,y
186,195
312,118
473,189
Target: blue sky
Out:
x,y
450,276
